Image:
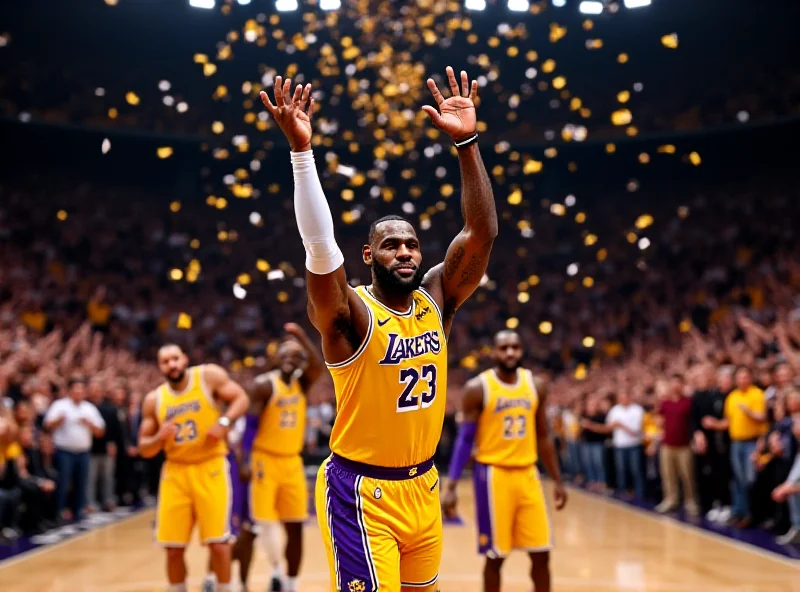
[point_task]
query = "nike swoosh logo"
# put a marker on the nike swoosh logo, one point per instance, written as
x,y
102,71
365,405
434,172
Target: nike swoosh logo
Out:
x,y
384,321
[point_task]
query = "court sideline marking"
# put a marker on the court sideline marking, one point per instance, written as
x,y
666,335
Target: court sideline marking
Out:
x,y
785,561
36,551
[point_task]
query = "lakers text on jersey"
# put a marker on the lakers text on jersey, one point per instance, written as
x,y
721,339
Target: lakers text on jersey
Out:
x,y
278,487
377,496
195,481
509,500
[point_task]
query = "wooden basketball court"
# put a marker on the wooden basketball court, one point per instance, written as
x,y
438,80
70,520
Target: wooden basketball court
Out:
x,y
601,546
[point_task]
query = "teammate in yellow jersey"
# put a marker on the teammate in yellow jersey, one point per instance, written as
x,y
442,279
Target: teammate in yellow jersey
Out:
x,y
272,443
504,416
377,496
182,418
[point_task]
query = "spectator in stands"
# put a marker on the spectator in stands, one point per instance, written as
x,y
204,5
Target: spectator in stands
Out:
x,y
38,485
594,435
626,420
711,446
789,490
73,422
103,459
570,421
677,462
745,419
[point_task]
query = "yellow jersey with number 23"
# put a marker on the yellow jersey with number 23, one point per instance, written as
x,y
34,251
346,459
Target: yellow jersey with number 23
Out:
x,y
194,412
282,427
390,394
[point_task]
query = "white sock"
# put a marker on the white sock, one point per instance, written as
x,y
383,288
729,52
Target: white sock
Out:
x,y
292,584
271,537
211,577
177,588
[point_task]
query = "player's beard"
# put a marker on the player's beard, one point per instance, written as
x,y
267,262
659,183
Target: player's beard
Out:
x,y
394,284
510,366
174,381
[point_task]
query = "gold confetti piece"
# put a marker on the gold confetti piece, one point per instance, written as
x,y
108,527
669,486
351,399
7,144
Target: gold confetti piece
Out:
x,y
594,44
580,217
551,152
580,372
559,82
631,131
531,56
644,221
623,96
347,194
221,204
61,215
184,321
217,127
209,69
164,152
175,206
670,41
694,158
575,104
262,265
132,98
175,274
644,158
622,58
532,167
611,148
195,244
621,117
685,326
588,25
446,190
683,212
244,279
631,237
283,297
515,197
222,236
112,2
602,254
666,149
533,280
548,66
558,209
523,297
588,341
512,323
545,327
588,281
590,239
557,32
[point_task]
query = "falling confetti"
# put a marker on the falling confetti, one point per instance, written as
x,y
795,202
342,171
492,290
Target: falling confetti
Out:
x,y
106,146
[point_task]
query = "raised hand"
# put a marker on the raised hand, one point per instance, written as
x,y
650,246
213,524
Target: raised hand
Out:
x,y
292,112
456,114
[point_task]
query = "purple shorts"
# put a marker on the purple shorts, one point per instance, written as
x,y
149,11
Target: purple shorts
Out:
x,y
240,504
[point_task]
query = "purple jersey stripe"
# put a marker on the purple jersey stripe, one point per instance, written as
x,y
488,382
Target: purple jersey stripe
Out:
x,y
480,473
354,567
240,507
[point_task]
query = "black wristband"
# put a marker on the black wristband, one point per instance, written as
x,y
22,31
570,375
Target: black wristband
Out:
x,y
467,142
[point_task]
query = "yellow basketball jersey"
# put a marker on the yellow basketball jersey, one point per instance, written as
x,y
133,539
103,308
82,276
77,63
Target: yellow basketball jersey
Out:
x,y
507,427
195,413
390,395
281,429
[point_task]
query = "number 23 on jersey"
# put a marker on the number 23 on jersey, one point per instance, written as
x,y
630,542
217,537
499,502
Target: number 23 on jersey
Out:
x,y
410,377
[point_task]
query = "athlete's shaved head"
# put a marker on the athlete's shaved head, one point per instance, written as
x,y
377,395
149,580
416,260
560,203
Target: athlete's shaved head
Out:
x,y
172,362
394,255
507,351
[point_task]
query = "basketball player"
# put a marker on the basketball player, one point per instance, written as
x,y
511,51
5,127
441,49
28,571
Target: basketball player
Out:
x,y
273,441
385,345
504,416
182,417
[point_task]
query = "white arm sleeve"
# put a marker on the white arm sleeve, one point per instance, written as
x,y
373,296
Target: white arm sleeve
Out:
x,y
314,218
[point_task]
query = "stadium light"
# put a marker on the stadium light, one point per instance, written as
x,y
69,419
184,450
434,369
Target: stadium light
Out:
x,y
637,3
475,4
330,4
559,3
591,7
285,5
519,5
202,3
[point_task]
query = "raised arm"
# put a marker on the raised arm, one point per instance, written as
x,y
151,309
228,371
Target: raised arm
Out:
x,y
260,395
226,390
456,278
333,307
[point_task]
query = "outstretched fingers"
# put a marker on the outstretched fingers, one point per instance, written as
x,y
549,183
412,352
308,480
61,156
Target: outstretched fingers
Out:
x,y
267,103
304,97
473,93
464,84
436,118
437,94
451,78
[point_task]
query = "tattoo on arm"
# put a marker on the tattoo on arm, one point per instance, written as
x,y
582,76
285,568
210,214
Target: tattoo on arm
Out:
x,y
452,264
472,269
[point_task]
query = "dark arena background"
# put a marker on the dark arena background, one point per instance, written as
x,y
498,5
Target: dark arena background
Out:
x,y
644,161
